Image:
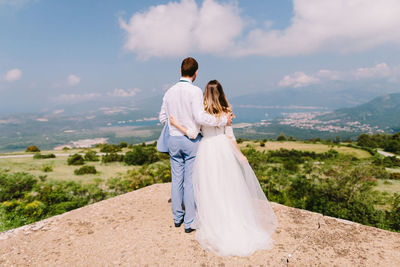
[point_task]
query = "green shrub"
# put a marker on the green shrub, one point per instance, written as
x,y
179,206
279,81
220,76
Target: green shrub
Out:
x,y
112,157
138,178
392,146
123,144
85,169
281,137
14,185
141,155
75,159
32,149
47,168
391,162
290,165
110,148
262,144
24,199
91,156
239,140
393,217
43,156
395,176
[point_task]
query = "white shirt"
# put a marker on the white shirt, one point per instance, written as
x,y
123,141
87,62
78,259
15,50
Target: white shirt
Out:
x,y
184,101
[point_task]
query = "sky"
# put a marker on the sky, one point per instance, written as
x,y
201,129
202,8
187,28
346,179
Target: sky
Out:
x,y
59,52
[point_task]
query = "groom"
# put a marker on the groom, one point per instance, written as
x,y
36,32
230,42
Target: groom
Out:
x,y
184,101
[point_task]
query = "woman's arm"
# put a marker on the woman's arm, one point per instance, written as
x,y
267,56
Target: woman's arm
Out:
x,y
189,133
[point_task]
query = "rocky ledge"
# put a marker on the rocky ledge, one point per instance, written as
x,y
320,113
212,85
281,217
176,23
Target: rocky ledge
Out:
x,y
136,229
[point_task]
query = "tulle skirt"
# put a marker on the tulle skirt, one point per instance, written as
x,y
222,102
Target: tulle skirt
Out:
x,y
233,216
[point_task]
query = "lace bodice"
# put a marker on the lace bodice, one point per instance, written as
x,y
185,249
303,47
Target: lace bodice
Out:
x,y
209,131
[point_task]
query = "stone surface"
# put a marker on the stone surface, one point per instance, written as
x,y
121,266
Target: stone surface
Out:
x,y
136,229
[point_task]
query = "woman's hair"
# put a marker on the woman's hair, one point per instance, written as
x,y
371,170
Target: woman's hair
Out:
x,y
215,101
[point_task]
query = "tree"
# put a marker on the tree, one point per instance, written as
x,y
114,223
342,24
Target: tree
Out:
x,y
85,169
91,156
123,144
43,156
75,159
32,149
281,137
392,146
109,148
141,155
112,157
366,141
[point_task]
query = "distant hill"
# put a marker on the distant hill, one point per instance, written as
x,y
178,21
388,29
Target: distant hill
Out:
x,y
315,96
382,111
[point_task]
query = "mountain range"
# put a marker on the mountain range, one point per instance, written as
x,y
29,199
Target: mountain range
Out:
x,y
382,111
135,120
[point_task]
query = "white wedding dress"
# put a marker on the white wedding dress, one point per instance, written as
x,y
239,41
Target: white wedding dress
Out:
x,y
233,216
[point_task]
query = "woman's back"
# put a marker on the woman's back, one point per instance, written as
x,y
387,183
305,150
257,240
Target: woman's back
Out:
x,y
209,131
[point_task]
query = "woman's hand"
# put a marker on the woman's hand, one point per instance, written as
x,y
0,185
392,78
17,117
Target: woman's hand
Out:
x,y
172,121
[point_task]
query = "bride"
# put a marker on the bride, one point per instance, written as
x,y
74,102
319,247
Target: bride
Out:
x,y
233,215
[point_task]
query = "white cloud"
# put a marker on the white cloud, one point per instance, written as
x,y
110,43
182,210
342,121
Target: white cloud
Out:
x,y
58,111
124,93
338,26
75,98
13,75
298,79
73,80
330,74
179,28
379,71
42,119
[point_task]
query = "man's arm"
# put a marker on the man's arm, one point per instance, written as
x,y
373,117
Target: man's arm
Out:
x,y
201,116
163,113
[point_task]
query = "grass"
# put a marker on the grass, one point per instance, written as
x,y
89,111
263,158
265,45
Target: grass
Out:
x,y
390,186
62,171
299,145
393,170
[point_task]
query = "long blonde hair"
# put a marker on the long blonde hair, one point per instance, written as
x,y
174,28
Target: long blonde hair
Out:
x,y
215,102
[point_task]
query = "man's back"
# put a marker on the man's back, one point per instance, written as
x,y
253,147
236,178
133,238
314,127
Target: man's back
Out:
x,y
178,102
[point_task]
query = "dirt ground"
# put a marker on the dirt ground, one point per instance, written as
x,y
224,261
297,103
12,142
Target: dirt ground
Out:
x,y
136,229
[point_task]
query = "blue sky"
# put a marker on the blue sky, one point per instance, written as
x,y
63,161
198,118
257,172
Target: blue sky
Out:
x,y
61,52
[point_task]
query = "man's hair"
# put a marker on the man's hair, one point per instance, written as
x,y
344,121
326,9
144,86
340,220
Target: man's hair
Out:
x,y
189,67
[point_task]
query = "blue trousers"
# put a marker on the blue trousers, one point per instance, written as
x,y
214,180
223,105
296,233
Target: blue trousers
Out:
x,y
182,151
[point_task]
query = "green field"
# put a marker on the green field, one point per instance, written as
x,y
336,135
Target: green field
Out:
x,y
299,145
390,186
61,171
333,183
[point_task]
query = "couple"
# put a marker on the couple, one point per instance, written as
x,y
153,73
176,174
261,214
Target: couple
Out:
x,y
221,195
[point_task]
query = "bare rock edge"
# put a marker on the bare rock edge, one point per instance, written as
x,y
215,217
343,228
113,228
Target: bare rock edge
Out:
x,y
136,229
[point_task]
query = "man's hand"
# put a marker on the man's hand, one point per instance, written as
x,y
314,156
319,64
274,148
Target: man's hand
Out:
x,y
229,116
